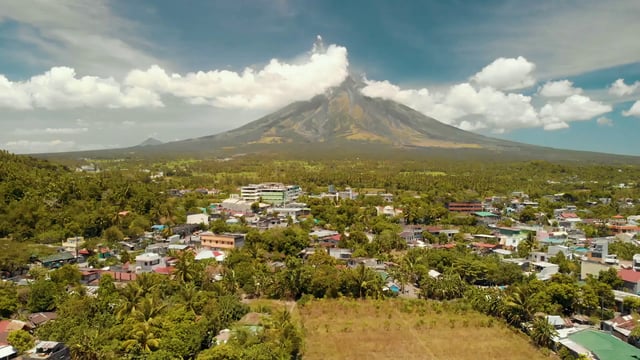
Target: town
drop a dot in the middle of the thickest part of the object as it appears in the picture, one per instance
(559, 268)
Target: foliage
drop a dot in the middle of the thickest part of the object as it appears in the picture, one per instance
(21, 340)
(8, 299)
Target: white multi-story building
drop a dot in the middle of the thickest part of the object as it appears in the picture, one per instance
(273, 193)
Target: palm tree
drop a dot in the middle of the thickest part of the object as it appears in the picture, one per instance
(87, 347)
(146, 282)
(367, 282)
(542, 332)
(130, 295)
(188, 295)
(141, 337)
(187, 269)
(148, 309)
(517, 307)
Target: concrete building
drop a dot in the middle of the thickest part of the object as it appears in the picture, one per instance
(147, 261)
(221, 241)
(198, 219)
(272, 193)
(49, 350)
(73, 244)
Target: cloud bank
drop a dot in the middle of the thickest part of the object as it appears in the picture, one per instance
(486, 102)
(276, 84)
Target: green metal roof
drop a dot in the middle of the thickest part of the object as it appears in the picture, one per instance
(62, 256)
(485, 214)
(605, 346)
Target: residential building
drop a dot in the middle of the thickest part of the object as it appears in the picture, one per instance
(631, 280)
(221, 241)
(8, 352)
(73, 244)
(465, 207)
(272, 193)
(486, 217)
(57, 260)
(147, 261)
(544, 270)
(49, 350)
(198, 219)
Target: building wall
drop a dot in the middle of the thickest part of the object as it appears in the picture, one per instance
(221, 241)
(591, 268)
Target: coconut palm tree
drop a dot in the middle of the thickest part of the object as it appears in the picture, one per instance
(129, 297)
(517, 307)
(542, 332)
(143, 338)
(148, 309)
(187, 269)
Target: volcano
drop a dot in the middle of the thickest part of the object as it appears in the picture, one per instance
(344, 121)
(344, 115)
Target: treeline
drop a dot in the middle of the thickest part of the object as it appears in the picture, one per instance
(46, 202)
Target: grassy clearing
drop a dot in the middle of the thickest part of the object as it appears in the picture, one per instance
(407, 329)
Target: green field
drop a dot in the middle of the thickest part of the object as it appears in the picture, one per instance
(405, 329)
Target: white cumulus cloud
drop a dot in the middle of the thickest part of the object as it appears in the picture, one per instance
(561, 88)
(634, 110)
(507, 74)
(471, 106)
(276, 84)
(463, 106)
(556, 115)
(60, 88)
(603, 121)
(619, 88)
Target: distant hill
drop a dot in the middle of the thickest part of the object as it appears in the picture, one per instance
(150, 141)
(343, 122)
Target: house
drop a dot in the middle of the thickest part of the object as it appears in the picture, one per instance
(339, 253)
(57, 260)
(486, 217)
(147, 261)
(388, 211)
(371, 263)
(591, 267)
(7, 326)
(558, 322)
(87, 276)
(631, 280)
(73, 244)
(225, 241)
(468, 207)
(198, 219)
(545, 270)
(49, 350)
(210, 254)
(8, 352)
(620, 326)
(41, 318)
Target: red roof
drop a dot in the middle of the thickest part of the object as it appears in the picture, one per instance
(164, 270)
(569, 215)
(335, 237)
(445, 246)
(484, 245)
(618, 217)
(629, 275)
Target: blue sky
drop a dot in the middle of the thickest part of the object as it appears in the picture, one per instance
(93, 74)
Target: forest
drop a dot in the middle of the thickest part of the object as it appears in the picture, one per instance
(179, 316)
